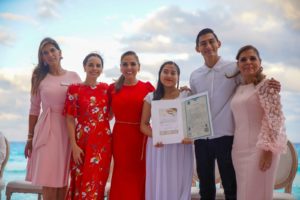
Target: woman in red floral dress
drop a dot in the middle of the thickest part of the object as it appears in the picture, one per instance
(127, 97)
(86, 110)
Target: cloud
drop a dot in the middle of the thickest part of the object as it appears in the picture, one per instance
(266, 30)
(11, 78)
(7, 38)
(8, 117)
(165, 34)
(291, 109)
(14, 103)
(111, 18)
(152, 43)
(49, 8)
(171, 31)
(163, 31)
(18, 18)
(286, 74)
(290, 11)
(13, 98)
(291, 103)
(270, 25)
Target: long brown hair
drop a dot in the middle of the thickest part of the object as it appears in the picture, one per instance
(259, 75)
(42, 69)
(160, 90)
(119, 83)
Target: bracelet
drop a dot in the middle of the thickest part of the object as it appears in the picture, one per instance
(29, 139)
(30, 136)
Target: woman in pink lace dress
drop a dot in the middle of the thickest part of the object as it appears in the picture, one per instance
(259, 136)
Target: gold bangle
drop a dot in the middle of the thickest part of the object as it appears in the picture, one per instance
(30, 134)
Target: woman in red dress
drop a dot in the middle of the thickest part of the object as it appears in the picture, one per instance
(127, 95)
(86, 110)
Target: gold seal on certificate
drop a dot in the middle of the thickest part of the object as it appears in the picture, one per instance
(173, 120)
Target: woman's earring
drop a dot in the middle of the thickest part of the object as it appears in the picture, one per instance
(45, 64)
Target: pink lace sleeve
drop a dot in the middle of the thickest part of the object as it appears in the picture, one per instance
(272, 136)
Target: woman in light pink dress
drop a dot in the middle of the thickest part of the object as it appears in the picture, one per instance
(47, 145)
(259, 136)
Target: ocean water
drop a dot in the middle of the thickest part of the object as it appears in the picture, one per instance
(16, 169)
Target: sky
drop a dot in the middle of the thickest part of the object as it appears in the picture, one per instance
(158, 30)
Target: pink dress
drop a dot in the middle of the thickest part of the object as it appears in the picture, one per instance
(259, 125)
(49, 162)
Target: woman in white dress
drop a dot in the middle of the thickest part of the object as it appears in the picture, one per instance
(168, 167)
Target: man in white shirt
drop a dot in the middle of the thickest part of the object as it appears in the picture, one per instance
(211, 77)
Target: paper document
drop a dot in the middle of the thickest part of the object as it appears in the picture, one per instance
(173, 120)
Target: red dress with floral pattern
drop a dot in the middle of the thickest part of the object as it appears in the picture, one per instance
(89, 106)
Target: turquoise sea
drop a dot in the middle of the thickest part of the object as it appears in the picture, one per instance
(16, 167)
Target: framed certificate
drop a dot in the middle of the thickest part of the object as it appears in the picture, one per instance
(173, 120)
(197, 116)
